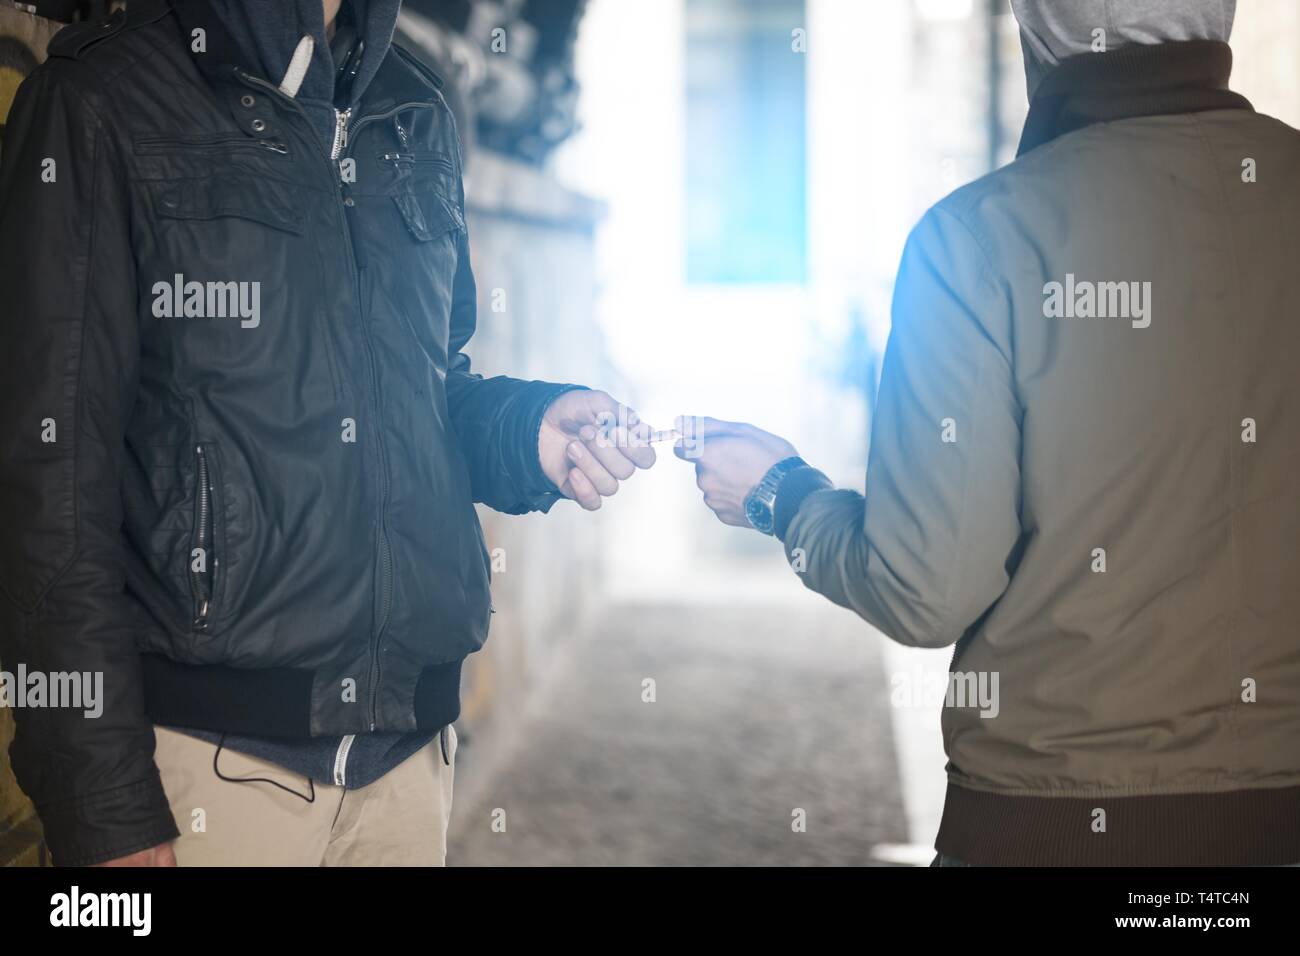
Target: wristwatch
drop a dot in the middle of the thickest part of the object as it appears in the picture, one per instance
(760, 503)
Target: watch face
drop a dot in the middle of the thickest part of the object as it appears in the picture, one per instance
(759, 514)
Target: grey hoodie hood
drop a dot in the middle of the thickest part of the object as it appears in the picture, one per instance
(271, 32)
(1053, 30)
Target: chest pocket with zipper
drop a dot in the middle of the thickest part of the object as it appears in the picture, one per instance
(423, 184)
(421, 187)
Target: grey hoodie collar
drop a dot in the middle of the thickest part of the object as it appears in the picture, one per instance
(1055, 30)
(1136, 80)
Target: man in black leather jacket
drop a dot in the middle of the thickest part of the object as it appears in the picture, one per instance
(242, 442)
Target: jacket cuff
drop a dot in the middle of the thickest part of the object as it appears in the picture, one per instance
(111, 823)
(539, 492)
(791, 494)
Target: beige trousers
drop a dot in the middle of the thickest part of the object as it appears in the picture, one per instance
(399, 820)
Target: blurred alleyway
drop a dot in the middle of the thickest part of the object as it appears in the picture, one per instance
(759, 711)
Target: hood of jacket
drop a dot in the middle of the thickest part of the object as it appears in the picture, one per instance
(1054, 30)
(269, 34)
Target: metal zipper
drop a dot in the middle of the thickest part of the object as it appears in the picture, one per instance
(341, 118)
(341, 136)
(203, 580)
(146, 146)
(400, 108)
(385, 548)
(417, 159)
(341, 760)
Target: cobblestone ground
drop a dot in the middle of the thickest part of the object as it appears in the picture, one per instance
(758, 712)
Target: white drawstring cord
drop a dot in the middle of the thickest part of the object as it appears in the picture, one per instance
(297, 66)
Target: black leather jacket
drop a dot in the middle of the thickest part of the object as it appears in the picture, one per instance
(241, 441)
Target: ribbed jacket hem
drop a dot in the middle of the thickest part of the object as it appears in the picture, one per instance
(1232, 828)
(274, 701)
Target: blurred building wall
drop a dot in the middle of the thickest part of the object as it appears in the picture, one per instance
(533, 248)
(1266, 57)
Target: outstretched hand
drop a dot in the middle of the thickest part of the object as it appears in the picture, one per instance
(589, 442)
(730, 459)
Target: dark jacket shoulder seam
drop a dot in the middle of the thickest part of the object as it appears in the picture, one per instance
(131, 57)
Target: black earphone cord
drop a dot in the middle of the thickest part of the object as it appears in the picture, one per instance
(221, 776)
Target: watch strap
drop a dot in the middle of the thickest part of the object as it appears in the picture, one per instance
(794, 489)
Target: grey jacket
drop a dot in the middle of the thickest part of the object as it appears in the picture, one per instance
(1083, 474)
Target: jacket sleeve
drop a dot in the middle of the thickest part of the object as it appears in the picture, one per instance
(67, 384)
(926, 553)
(497, 419)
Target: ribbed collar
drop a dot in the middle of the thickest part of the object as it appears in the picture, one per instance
(1168, 78)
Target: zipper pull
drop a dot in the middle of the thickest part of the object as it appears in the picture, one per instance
(340, 132)
(201, 620)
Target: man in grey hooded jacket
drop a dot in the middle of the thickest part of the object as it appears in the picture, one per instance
(1083, 469)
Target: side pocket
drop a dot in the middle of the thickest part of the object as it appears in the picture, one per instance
(204, 562)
